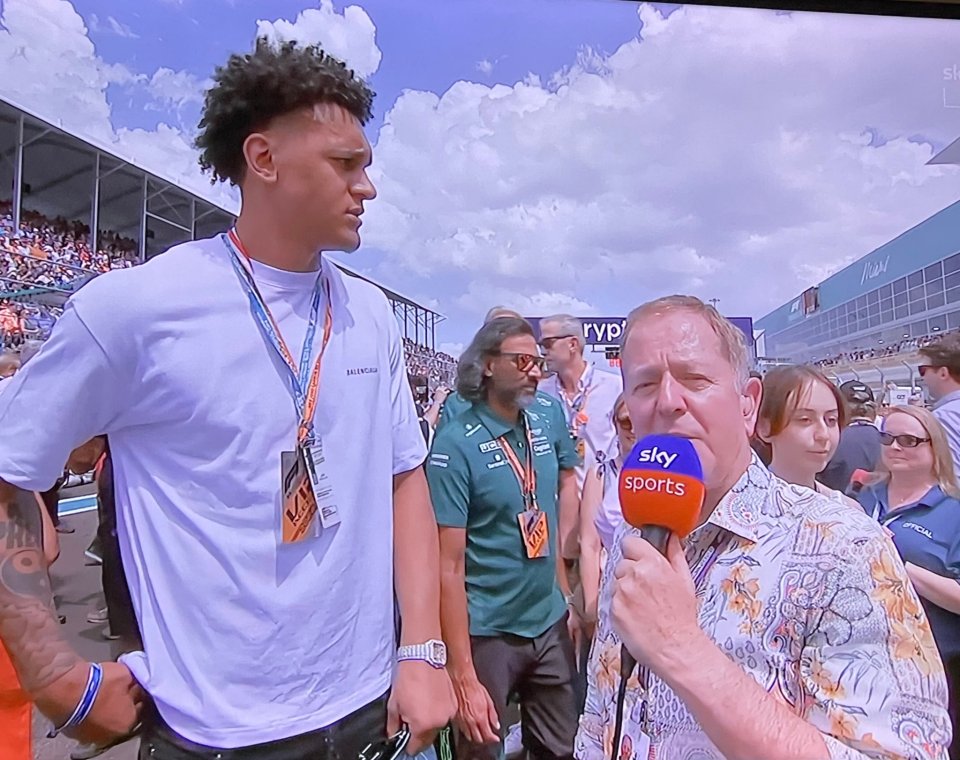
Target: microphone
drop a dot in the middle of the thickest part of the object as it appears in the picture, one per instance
(661, 488)
(858, 480)
(661, 492)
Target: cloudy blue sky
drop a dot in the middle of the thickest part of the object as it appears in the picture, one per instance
(576, 155)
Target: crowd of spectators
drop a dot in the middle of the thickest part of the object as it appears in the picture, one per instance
(439, 368)
(905, 346)
(21, 321)
(56, 254)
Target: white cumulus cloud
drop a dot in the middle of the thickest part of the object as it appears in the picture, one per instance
(111, 26)
(176, 88)
(349, 36)
(52, 68)
(730, 153)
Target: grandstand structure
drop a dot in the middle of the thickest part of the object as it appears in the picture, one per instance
(868, 321)
(71, 208)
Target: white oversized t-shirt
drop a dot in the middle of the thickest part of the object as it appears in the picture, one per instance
(245, 641)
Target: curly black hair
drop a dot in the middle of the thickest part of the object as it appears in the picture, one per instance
(273, 80)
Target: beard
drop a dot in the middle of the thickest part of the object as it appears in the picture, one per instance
(526, 397)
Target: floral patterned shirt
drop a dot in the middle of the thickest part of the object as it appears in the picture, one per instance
(809, 597)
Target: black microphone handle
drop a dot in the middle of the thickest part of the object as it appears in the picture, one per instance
(658, 536)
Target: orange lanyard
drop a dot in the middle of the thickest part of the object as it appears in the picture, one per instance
(526, 475)
(305, 399)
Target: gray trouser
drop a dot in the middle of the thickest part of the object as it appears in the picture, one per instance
(542, 672)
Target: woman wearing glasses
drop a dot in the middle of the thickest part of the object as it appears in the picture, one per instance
(915, 495)
(600, 514)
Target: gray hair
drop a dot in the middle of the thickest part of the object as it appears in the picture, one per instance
(501, 311)
(569, 325)
(731, 339)
(471, 381)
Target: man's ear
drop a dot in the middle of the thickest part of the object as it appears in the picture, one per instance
(750, 403)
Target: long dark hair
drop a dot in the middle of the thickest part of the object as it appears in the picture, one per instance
(471, 381)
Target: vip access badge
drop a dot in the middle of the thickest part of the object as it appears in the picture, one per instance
(299, 504)
(306, 491)
(533, 529)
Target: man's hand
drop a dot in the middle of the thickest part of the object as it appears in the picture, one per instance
(654, 609)
(422, 699)
(115, 712)
(476, 715)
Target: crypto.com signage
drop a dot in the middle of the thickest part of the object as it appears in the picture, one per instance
(607, 331)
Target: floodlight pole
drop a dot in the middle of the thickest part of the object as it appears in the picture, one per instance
(18, 176)
(143, 221)
(95, 208)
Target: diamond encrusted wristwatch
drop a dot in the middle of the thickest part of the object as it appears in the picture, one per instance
(433, 652)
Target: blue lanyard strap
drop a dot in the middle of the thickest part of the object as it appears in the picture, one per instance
(303, 382)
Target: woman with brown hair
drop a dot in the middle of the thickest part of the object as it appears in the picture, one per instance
(798, 426)
(916, 497)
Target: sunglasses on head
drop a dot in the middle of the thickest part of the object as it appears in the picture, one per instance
(547, 343)
(905, 441)
(524, 362)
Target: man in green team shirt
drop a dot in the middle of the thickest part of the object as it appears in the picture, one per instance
(501, 474)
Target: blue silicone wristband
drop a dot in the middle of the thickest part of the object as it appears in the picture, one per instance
(85, 705)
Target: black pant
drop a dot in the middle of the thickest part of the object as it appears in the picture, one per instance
(541, 671)
(116, 591)
(344, 740)
(951, 664)
(51, 500)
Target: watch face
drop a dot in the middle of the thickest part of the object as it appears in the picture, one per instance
(438, 652)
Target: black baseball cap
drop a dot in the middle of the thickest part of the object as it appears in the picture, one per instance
(855, 392)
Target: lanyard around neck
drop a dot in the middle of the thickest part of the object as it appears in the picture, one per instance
(305, 384)
(526, 474)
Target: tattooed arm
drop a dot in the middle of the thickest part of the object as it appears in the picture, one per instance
(49, 669)
(28, 623)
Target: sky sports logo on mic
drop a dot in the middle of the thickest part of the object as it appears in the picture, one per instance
(661, 484)
(659, 458)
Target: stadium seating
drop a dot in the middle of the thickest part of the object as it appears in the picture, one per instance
(438, 367)
(905, 347)
(54, 255)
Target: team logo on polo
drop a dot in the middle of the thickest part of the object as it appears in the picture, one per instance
(486, 448)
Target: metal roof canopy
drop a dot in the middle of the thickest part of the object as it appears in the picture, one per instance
(949, 155)
(47, 169)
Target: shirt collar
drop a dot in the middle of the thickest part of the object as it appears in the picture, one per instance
(494, 424)
(930, 499)
(586, 378)
(952, 396)
(740, 509)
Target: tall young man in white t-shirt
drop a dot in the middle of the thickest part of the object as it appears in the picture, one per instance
(265, 509)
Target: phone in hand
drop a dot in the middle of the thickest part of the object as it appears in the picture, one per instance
(387, 749)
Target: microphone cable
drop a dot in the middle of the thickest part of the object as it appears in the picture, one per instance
(627, 664)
